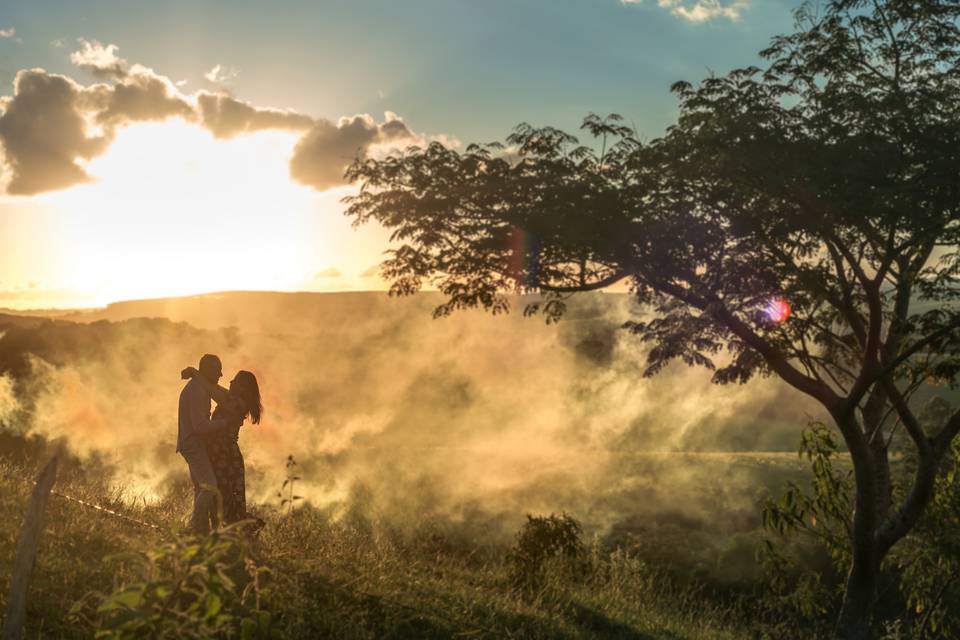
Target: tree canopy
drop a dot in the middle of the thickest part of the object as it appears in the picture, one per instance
(824, 187)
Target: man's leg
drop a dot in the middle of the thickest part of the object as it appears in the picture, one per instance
(205, 488)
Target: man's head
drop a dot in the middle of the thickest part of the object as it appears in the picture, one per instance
(210, 368)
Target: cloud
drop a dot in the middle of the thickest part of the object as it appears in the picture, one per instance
(450, 142)
(330, 272)
(227, 117)
(372, 272)
(141, 96)
(52, 125)
(103, 61)
(701, 10)
(47, 126)
(220, 75)
(323, 154)
(8, 33)
(44, 132)
(213, 74)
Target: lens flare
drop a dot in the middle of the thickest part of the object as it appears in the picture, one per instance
(523, 260)
(777, 310)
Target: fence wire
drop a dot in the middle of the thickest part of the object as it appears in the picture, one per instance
(104, 510)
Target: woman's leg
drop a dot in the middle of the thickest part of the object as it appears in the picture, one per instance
(237, 480)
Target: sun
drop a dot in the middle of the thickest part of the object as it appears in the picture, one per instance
(171, 210)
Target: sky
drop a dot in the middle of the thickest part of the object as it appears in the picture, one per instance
(155, 149)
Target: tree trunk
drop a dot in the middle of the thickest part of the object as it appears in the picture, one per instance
(856, 613)
(873, 417)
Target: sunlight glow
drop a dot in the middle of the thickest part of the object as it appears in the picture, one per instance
(173, 211)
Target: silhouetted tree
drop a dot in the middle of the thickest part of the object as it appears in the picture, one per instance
(829, 182)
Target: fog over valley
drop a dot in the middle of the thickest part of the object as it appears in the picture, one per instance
(458, 416)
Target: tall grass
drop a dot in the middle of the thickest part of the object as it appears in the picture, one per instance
(311, 574)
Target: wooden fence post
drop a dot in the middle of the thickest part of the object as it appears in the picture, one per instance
(26, 554)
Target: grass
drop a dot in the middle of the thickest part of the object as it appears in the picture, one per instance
(351, 577)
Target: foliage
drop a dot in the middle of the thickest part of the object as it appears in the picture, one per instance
(926, 591)
(826, 181)
(824, 512)
(796, 593)
(930, 561)
(541, 540)
(187, 588)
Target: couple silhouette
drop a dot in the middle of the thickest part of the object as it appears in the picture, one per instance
(209, 443)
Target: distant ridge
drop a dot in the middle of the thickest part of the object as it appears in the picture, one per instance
(301, 311)
(252, 309)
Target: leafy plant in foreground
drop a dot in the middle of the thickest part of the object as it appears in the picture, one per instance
(922, 572)
(188, 588)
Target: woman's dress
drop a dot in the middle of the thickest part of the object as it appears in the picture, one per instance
(223, 449)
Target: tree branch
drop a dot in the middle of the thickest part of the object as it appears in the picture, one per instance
(849, 310)
(913, 349)
(592, 286)
(923, 485)
(774, 358)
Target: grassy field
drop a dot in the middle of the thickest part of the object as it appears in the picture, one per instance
(346, 573)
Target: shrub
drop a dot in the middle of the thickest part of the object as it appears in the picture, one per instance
(188, 588)
(542, 541)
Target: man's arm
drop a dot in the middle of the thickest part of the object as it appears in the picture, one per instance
(200, 413)
(219, 394)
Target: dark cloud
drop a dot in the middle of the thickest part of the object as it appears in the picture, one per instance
(394, 129)
(325, 151)
(46, 127)
(227, 117)
(44, 132)
(141, 96)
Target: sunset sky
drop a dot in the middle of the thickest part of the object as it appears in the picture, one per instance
(155, 149)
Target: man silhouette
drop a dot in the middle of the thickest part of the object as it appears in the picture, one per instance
(194, 420)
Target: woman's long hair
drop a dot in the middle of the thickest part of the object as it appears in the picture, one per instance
(250, 392)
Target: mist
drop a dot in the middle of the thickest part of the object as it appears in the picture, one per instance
(405, 418)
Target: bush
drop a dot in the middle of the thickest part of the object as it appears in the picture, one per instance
(544, 541)
(187, 588)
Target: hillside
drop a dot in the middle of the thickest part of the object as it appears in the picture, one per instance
(421, 446)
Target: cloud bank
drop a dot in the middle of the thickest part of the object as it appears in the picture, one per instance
(52, 125)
